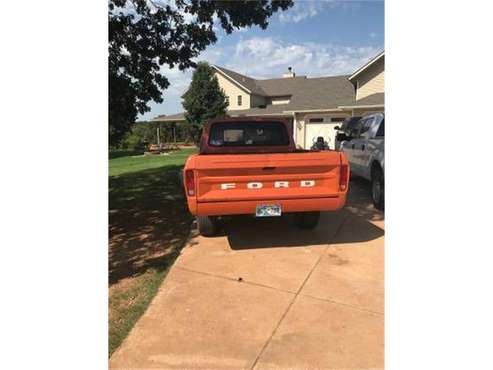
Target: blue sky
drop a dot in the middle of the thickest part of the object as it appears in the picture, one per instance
(316, 38)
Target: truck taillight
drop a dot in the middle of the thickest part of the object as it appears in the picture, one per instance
(190, 182)
(343, 178)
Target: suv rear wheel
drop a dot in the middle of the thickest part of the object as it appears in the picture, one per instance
(307, 220)
(207, 225)
(377, 188)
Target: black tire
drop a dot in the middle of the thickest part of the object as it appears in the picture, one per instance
(307, 220)
(378, 188)
(207, 225)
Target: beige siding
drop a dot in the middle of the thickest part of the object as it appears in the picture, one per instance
(232, 91)
(371, 81)
(300, 130)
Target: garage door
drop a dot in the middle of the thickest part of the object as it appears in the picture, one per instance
(322, 126)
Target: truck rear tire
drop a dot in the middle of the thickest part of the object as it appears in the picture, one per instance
(377, 188)
(307, 220)
(207, 225)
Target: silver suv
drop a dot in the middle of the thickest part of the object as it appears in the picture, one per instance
(366, 154)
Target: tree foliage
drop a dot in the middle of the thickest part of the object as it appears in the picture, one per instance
(146, 34)
(204, 98)
(141, 134)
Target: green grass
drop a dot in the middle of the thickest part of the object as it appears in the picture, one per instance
(117, 153)
(139, 162)
(127, 305)
(149, 224)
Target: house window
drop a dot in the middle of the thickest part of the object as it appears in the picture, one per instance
(280, 100)
(316, 120)
(239, 100)
(337, 119)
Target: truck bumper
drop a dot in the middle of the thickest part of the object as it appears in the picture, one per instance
(249, 206)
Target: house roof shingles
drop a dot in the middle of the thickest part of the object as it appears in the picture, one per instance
(305, 94)
(170, 118)
(243, 80)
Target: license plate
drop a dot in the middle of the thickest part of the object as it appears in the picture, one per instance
(268, 210)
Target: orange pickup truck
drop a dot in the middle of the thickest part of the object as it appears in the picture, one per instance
(251, 166)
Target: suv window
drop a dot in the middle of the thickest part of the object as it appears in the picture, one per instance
(365, 127)
(248, 134)
(351, 127)
(381, 129)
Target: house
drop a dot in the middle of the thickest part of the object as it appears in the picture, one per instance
(316, 105)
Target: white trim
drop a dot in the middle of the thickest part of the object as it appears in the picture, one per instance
(367, 65)
(313, 110)
(257, 114)
(295, 128)
(232, 79)
(362, 106)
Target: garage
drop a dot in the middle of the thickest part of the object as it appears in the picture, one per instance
(323, 126)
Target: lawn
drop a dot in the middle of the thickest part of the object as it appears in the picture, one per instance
(149, 224)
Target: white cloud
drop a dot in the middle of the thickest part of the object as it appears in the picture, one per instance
(306, 9)
(300, 10)
(266, 57)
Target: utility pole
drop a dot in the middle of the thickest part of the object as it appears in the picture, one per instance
(158, 138)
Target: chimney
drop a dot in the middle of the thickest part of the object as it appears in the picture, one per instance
(289, 74)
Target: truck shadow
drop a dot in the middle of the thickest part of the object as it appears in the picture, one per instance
(358, 222)
(340, 227)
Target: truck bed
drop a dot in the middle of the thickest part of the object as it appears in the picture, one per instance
(301, 181)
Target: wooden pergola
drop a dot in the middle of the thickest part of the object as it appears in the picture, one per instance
(171, 120)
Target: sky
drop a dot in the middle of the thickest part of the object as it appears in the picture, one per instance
(315, 38)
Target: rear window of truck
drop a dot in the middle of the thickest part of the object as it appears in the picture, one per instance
(238, 134)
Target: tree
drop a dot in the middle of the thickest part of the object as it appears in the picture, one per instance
(141, 133)
(146, 34)
(204, 98)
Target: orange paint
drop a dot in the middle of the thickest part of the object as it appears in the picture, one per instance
(236, 182)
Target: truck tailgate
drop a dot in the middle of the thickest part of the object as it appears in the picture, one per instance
(233, 177)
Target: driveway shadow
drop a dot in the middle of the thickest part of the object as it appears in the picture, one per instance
(359, 217)
(359, 200)
(251, 233)
(148, 221)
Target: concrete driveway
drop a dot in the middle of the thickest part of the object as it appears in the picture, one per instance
(267, 295)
